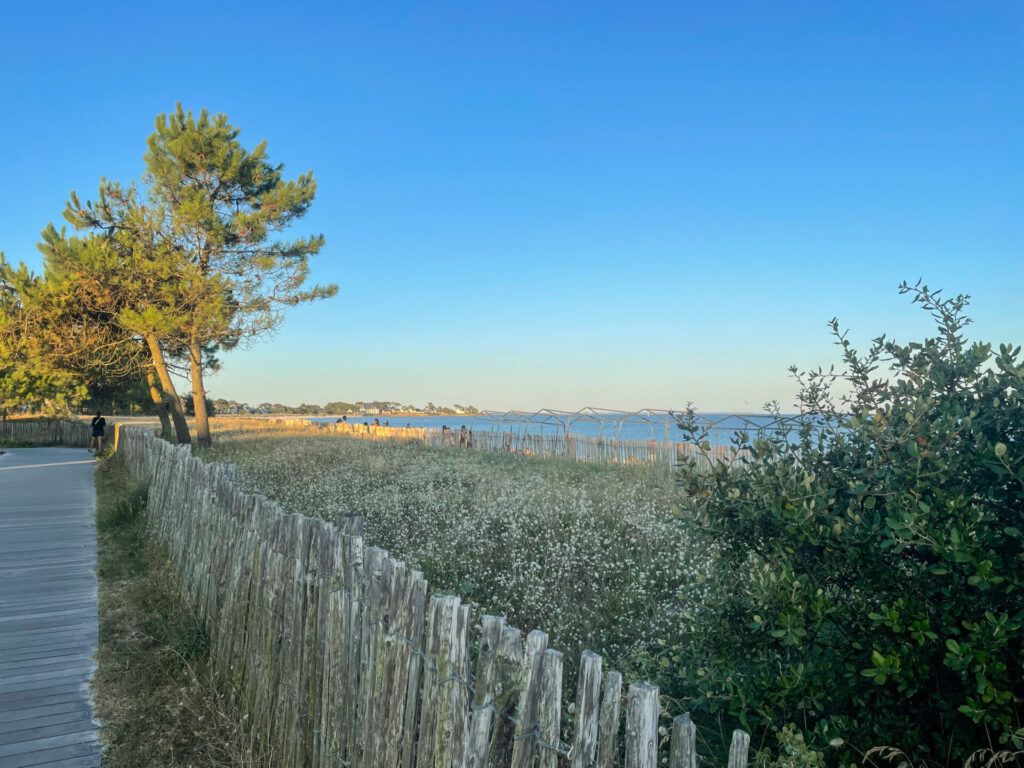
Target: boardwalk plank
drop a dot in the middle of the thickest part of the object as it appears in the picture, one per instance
(59, 736)
(57, 757)
(45, 664)
(48, 622)
(9, 721)
(15, 731)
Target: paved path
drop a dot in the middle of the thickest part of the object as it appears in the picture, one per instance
(48, 626)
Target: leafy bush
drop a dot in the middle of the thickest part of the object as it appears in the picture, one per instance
(873, 579)
(793, 751)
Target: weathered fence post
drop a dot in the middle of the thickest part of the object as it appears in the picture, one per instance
(438, 633)
(550, 719)
(417, 621)
(588, 693)
(642, 726)
(684, 743)
(505, 689)
(481, 707)
(738, 749)
(529, 701)
(608, 725)
(459, 676)
(373, 585)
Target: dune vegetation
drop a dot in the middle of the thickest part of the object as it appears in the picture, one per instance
(598, 556)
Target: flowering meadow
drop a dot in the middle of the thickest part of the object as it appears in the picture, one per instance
(598, 556)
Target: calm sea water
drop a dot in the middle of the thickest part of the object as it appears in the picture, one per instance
(657, 428)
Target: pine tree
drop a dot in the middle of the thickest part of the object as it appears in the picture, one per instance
(222, 207)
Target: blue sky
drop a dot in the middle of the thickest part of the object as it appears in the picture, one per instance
(537, 204)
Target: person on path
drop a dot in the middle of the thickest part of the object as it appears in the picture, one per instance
(99, 424)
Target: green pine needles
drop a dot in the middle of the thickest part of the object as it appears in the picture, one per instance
(222, 207)
(164, 275)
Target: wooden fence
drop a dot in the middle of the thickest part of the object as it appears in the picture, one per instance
(54, 432)
(579, 447)
(338, 656)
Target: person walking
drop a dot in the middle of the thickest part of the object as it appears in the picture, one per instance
(99, 425)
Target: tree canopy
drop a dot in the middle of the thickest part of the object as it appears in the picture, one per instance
(28, 378)
(188, 264)
(221, 209)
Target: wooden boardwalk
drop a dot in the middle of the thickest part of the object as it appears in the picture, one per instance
(48, 627)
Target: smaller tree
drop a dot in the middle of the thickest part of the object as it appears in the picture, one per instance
(27, 379)
(211, 408)
(127, 396)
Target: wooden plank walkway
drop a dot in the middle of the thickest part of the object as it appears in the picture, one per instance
(48, 626)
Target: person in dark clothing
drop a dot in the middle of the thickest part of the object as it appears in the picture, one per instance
(99, 425)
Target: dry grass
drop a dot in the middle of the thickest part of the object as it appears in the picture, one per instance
(153, 690)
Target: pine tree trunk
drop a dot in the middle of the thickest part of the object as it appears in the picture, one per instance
(161, 405)
(177, 413)
(199, 397)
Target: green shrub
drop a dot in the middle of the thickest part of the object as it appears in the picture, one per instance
(793, 751)
(873, 579)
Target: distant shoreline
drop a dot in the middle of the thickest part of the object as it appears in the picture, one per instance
(389, 415)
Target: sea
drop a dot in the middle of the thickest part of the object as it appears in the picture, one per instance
(659, 426)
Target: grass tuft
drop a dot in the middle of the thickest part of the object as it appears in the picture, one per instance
(153, 689)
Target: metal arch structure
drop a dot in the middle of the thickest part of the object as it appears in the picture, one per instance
(611, 421)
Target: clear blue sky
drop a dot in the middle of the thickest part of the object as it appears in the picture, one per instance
(555, 204)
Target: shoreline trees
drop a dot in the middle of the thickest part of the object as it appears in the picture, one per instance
(188, 266)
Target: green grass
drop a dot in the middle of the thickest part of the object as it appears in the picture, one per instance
(152, 688)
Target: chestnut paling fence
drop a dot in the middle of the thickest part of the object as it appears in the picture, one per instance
(338, 655)
(573, 446)
(52, 432)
